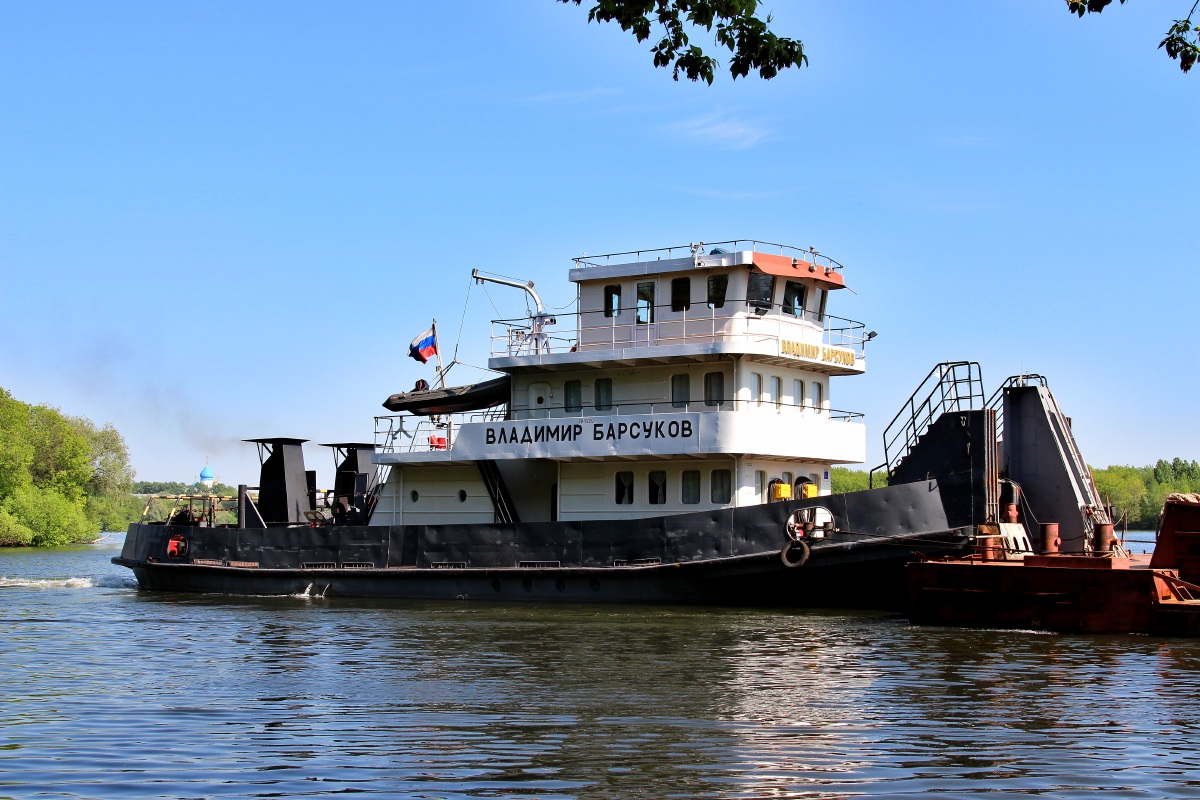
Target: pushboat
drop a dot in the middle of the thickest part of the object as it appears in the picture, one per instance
(669, 441)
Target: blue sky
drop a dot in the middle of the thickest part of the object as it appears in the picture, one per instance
(225, 220)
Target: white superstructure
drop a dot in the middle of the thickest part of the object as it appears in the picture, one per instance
(688, 379)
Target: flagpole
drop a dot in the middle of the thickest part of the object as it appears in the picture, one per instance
(438, 351)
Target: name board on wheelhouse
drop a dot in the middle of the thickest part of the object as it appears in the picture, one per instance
(817, 352)
(584, 436)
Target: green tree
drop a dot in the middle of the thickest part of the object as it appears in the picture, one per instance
(754, 47)
(844, 480)
(1182, 41)
(1123, 487)
(111, 473)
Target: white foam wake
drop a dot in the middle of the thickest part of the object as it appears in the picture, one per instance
(104, 582)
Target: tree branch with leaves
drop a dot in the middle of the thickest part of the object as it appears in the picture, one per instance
(738, 29)
(1182, 42)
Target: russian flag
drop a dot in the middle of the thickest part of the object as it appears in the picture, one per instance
(424, 346)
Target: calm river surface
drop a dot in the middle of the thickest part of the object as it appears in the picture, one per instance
(112, 692)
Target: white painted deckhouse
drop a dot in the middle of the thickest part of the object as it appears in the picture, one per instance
(689, 379)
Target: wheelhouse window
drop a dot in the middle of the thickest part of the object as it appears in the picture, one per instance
(657, 487)
(760, 289)
(793, 299)
(681, 294)
(612, 300)
(756, 388)
(822, 296)
(624, 488)
(602, 397)
(681, 390)
(776, 390)
(572, 396)
(718, 285)
(714, 388)
(690, 487)
(720, 486)
(645, 303)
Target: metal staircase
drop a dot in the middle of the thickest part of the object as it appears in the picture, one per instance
(506, 510)
(1039, 453)
(949, 386)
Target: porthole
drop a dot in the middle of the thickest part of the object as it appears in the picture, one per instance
(413, 495)
(496, 585)
(462, 495)
(527, 585)
(561, 585)
(540, 400)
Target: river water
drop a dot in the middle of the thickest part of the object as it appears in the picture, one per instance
(112, 692)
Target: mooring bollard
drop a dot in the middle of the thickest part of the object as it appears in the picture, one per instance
(1050, 540)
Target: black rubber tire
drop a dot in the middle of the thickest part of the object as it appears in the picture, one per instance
(795, 554)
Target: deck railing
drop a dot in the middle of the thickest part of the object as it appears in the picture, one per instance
(663, 326)
(699, 249)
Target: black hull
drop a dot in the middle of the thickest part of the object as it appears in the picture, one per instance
(870, 576)
(728, 557)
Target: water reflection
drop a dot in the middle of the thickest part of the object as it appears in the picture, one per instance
(114, 692)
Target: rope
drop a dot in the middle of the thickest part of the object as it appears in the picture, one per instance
(462, 321)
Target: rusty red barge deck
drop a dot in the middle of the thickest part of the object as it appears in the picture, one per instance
(1072, 593)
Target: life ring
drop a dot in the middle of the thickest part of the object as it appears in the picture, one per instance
(177, 546)
(795, 553)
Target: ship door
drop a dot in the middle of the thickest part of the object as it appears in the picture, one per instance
(540, 400)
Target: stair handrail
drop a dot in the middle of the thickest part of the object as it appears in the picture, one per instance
(946, 394)
(996, 401)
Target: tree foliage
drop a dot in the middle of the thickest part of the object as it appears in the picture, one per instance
(1139, 492)
(738, 29)
(1182, 41)
(62, 479)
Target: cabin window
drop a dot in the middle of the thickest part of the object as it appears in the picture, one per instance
(822, 296)
(572, 396)
(645, 303)
(681, 390)
(776, 390)
(690, 487)
(612, 300)
(756, 388)
(759, 291)
(657, 487)
(760, 484)
(793, 299)
(786, 478)
(798, 393)
(718, 285)
(624, 488)
(714, 388)
(818, 395)
(681, 294)
(602, 399)
(720, 486)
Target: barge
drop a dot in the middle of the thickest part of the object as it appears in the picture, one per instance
(669, 441)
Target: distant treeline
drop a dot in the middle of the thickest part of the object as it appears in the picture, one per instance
(62, 479)
(1137, 493)
(178, 487)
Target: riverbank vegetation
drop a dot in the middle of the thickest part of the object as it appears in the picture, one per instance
(62, 478)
